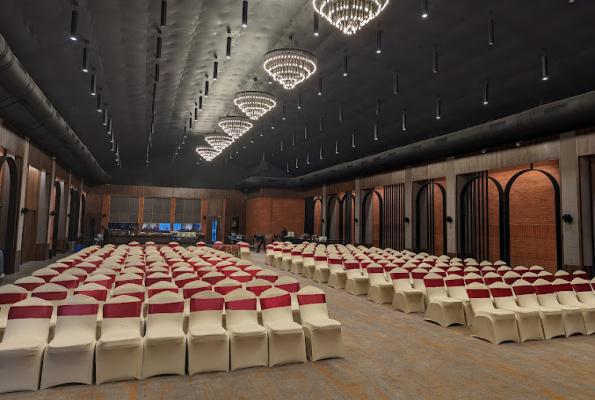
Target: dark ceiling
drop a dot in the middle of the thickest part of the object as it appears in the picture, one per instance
(122, 41)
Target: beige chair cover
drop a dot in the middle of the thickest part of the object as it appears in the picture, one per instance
(25, 340)
(286, 338)
(165, 341)
(286, 257)
(297, 262)
(309, 264)
(357, 284)
(324, 338)
(380, 291)
(583, 290)
(208, 342)
(248, 340)
(442, 309)
(566, 296)
(119, 351)
(455, 286)
(322, 271)
(338, 275)
(528, 320)
(70, 356)
(406, 298)
(495, 326)
(292, 286)
(270, 254)
(551, 318)
(9, 295)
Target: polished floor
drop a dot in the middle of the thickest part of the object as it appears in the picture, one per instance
(389, 355)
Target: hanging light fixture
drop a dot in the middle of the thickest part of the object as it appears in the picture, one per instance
(321, 124)
(245, 13)
(320, 86)
(435, 57)
(336, 147)
(424, 8)
(345, 65)
(206, 152)
(438, 107)
(74, 21)
(158, 51)
(349, 16)
(93, 85)
(287, 167)
(228, 47)
(544, 66)
(199, 103)
(273, 122)
(299, 102)
(316, 24)
(261, 130)
(341, 112)
(235, 126)
(254, 104)
(308, 158)
(296, 163)
(376, 131)
(281, 146)
(109, 126)
(289, 66)
(157, 72)
(215, 68)
(486, 91)
(218, 141)
(305, 134)
(378, 41)
(404, 120)
(99, 102)
(284, 112)
(206, 88)
(377, 105)
(320, 152)
(190, 123)
(104, 121)
(85, 59)
(353, 139)
(396, 84)
(491, 39)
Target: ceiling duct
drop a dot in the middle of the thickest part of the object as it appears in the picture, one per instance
(70, 150)
(561, 116)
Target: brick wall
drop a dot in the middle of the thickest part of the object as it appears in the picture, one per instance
(269, 215)
(532, 218)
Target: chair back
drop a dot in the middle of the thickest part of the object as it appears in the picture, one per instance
(257, 286)
(121, 314)
(130, 289)
(503, 295)
(31, 282)
(78, 314)
(165, 310)
(240, 308)
(94, 290)
(253, 270)
(525, 294)
(455, 286)
(213, 277)
(400, 278)
(226, 286)
(51, 292)
(206, 307)
(435, 288)
(563, 275)
(417, 276)
(312, 301)
(275, 304)
(128, 277)
(267, 275)
(492, 277)
(28, 320)
(479, 296)
(45, 273)
(241, 276)
(160, 287)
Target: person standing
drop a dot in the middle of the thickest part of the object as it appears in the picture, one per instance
(105, 235)
(260, 240)
(283, 233)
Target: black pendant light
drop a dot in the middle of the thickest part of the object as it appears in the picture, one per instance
(85, 59)
(424, 8)
(245, 13)
(435, 57)
(308, 158)
(316, 24)
(228, 48)
(206, 88)
(296, 163)
(404, 120)
(376, 131)
(438, 107)
(396, 83)
(261, 130)
(109, 126)
(320, 85)
(105, 117)
(321, 152)
(544, 66)
(199, 103)
(321, 124)
(215, 68)
(273, 122)
(156, 72)
(336, 147)
(99, 102)
(305, 132)
(93, 85)
(341, 112)
(190, 123)
(74, 21)
(345, 65)
(158, 52)
(163, 14)
(378, 41)
(299, 102)
(486, 91)
(284, 112)
(195, 112)
(491, 38)
(287, 167)
(353, 139)
(281, 146)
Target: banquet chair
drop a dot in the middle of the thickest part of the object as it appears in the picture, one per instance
(583, 290)
(24, 342)
(292, 286)
(406, 298)
(267, 275)
(30, 282)
(247, 339)
(70, 356)
(338, 275)
(297, 262)
(226, 286)
(308, 263)
(9, 295)
(164, 344)
(286, 258)
(380, 291)
(455, 286)
(208, 341)
(321, 269)
(551, 318)
(571, 315)
(442, 309)
(567, 297)
(324, 338)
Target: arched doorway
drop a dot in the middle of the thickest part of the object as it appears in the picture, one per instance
(433, 224)
(539, 245)
(367, 224)
(55, 214)
(73, 215)
(9, 213)
(317, 217)
(334, 218)
(481, 218)
(348, 215)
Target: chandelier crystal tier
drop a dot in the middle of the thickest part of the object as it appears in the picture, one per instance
(206, 152)
(349, 15)
(235, 126)
(255, 104)
(218, 141)
(289, 67)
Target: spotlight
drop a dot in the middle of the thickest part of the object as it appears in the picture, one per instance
(320, 86)
(74, 21)
(486, 91)
(315, 23)
(109, 126)
(345, 62)
(424, 8)
(93, 85)
(163, 13)
(544, 66)
(245, 13)
(85, 59)
(379, 41)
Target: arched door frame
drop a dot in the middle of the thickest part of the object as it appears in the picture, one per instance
(56, 216)
(347, 220)
(363, 218)
(418, 214)
(501, 213)
(557, 213)
(328, 217)
(13, 212)
(319, 199)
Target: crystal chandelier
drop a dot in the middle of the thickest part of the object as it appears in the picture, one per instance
(218, 141)
(289, 67)
(235, 126)
(349, 15)
(255, 104)
(207, 152)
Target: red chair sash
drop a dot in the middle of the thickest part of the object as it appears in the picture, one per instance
(11, 298)
(306, 299)
(226, 289)
(212, 280)
(290, 287)
(29, 286)
(26, 312)
(166, 308)
(241, 305)
(99, 295)
(544, 289)
(491, 280)
(351, 265)
(189, 292)
(153, 292)
(138, 295)
(565, 287)
(319, 258)
(69, 284)
(525, 289)
(582, 287)
(501, 292)
(478, 293)
(375, 270)
(183, 282)
(242, 278)
(216, 304)
(418, 275)
(152, 281)
(454, 282)
(49, 296)
(473, 280)
(399, 275)
(431, 283)
(334, 261)
(122, 310)
(276, 302)
(106, 283)
(510, 281)
(71, 310)
(257, 290)
(270, 278)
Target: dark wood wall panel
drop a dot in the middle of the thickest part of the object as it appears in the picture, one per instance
(11, 140)
(153, 191)
(394, 217)
(39, 159)
(29, 249)
(62, 173)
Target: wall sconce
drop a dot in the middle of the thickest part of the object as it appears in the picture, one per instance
(355, 220)
(322, 220)
(406, 219)
(567, 218)
(53, 213)
(449, 219)
(70, 215)
(24, 210)
(104, 215)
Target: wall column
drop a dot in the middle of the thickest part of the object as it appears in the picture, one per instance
(22, 195)
(569, 193)
(323, 211)
(51, 196)
(451, 207)
(358, 213)
(408, 198)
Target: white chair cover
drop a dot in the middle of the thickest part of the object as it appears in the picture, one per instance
(442, 309)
